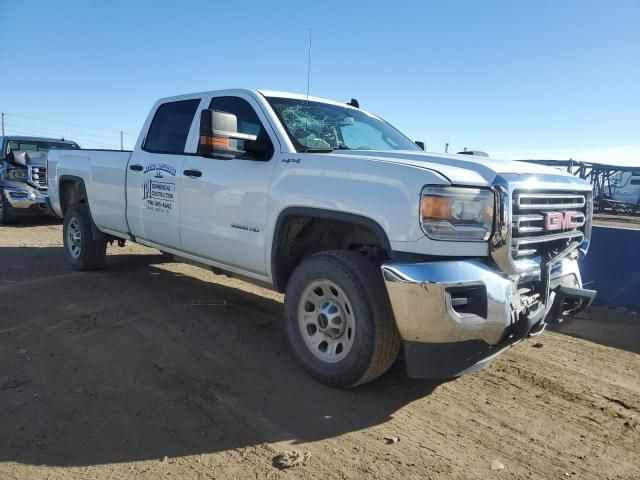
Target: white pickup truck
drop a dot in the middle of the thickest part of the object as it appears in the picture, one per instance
(376, 243)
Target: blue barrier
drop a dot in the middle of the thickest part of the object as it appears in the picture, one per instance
(612, 267)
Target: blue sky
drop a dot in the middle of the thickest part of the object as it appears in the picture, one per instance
(518, 79)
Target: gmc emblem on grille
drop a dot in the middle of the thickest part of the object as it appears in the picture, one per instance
(559, 220)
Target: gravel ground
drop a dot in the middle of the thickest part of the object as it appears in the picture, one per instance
(117, 374)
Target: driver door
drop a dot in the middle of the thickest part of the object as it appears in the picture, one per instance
(224, 210)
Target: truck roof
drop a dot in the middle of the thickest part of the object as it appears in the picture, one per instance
(300, 96)
(265, 93)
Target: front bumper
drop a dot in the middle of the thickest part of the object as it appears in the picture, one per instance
(457, 316)
(26, 199)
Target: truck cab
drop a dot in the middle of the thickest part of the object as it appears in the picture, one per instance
(23, 175)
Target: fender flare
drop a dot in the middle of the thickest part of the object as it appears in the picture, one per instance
(70, 178)
(97, 233)
(345, 217)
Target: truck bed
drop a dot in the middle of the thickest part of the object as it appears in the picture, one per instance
(105, 171)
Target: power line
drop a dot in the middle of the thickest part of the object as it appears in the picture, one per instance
(57, 130)
(83, 141)
(68, 124)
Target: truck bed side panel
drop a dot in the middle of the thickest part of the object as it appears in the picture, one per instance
(104, 175)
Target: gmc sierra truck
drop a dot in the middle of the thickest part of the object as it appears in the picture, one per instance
(23, 175)
(376, 244)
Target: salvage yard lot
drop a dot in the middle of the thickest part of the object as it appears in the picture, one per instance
(151, 369)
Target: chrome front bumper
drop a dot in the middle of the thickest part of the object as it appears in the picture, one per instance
(421, 296)
(465, 312)
(25, 198)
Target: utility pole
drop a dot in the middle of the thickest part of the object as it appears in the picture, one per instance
(121, 142)
(3, 124)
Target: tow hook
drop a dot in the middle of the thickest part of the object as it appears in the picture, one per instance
(569, 301)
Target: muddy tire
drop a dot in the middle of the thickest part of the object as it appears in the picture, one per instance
(338, 318)
(83, 252)
(6, 216)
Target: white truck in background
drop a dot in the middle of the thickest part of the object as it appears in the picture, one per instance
(376, 243)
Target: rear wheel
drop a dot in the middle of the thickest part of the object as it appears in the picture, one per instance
(6, 216)
(83, 251)
(339, 320)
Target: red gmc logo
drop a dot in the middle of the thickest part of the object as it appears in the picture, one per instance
(559, 220)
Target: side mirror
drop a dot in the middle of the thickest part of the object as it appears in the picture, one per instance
(219, 135)
(420, 144)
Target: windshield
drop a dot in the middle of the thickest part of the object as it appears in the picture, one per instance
(322, 126)
(37, 146)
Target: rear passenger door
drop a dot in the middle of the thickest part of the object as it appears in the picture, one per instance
(154, 175)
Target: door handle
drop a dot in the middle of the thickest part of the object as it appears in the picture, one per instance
(192, 173)
(135, 168)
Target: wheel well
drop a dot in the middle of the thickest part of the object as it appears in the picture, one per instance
(298, 236)
(71, 191)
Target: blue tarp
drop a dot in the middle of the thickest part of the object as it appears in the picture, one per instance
(612, 267)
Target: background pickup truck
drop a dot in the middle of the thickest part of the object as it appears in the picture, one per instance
(375, 243)
(23, 175)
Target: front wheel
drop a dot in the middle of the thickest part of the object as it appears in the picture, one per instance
(83, 252)
(339, 320)
(6, 216)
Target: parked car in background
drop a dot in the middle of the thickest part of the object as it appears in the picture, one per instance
(23, 174)
(375, 242)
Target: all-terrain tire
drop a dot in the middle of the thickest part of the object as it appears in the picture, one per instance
(82, 250)
(6, 216)
(376, 342)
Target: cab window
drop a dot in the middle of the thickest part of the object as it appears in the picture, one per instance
(170, 126)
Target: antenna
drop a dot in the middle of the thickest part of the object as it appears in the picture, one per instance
(309, 66)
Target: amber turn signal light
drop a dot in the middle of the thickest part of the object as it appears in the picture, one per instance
(214, 141)
(436, 207)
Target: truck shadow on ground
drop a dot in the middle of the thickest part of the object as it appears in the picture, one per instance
(122, 365)
(32, 221)
(606, 326)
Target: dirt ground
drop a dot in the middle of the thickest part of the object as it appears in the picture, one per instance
(120, 374)
(622, 221)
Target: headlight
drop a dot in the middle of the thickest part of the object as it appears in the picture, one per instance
(19, 174)
(457, 213)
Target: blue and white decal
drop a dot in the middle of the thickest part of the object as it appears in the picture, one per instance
(159, 196)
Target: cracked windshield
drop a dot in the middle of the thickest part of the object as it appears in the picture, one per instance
(314, 126)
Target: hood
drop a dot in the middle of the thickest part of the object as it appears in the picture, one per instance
(26, 159)
(458, 169)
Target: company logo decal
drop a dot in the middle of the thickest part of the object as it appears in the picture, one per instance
(159, 168)
(158, 196)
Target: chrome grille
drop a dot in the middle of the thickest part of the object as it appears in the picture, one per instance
(38, 177)
(530, 232)
(537, 201)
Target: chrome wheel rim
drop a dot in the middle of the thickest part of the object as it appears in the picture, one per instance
(326, 321)
(74, 238)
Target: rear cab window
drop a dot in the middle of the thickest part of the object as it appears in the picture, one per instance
(170, 127)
